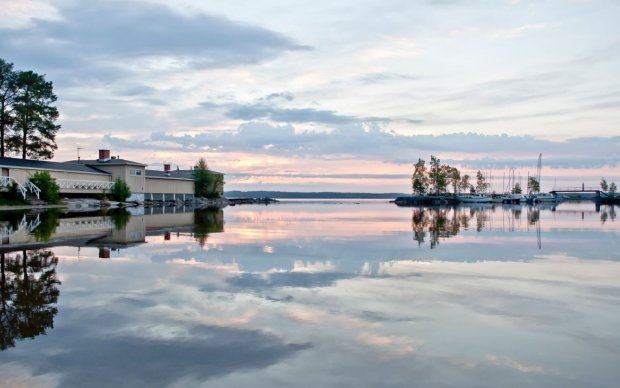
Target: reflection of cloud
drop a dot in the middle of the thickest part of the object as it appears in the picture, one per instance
(232, 268)
(316, 266)
(251, 281)
(510, 363)
(16, 375)
(394, 346)
(212, 351)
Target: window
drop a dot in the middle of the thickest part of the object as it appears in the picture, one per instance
(135, 172)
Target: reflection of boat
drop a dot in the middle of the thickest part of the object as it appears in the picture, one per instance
(474, 198)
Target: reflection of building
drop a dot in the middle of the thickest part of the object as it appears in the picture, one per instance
(98, 176)
(114, 230)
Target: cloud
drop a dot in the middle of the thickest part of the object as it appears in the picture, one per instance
(110, 39)
(372, 143)
(295, 115)
(518, 31)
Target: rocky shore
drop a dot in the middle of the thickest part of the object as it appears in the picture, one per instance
(425, 200)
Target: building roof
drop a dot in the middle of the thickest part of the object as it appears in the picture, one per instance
(109, 162)
(175, 174)
(47, 165)
(172, 175)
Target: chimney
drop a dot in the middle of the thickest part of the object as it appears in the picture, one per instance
(167, 167)
(104, 155)
(104, 253)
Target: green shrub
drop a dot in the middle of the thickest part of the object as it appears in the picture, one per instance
(12, 196)
(120, 191)
(207, 183)
(49, 189)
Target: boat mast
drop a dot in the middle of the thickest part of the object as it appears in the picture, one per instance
(539, 168)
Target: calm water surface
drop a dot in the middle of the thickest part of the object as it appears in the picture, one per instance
(313, 294)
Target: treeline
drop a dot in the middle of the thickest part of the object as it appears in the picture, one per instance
(27, 117)
(438, 178)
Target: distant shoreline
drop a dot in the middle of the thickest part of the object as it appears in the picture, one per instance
(310, 195)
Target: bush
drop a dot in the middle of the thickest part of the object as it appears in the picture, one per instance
(120, 191)
(12, 196)
(207, 183)
(49, 189)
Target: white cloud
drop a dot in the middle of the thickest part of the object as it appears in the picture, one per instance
(518, 31)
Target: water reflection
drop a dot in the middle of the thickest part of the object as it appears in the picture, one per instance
(331, 295)
(107, 230)
(28, 295)
(440, 223)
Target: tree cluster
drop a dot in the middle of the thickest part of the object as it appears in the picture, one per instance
(207, 184)
(437, 178)
(27, 117)
(612, 188)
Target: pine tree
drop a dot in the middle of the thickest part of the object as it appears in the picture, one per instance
(8, 90)
(34, 130)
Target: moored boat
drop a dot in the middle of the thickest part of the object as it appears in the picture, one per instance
(513, 199)
(545, 198)
(474, 198)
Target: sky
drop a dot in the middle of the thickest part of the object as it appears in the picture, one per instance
(332, 96)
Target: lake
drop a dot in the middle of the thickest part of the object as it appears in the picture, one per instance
(313, 294)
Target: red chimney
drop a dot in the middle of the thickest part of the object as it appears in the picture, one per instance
(104, 154)
(167, 167)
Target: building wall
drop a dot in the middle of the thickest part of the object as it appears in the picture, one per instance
(168, 189)
(136, 183)
(22, 174)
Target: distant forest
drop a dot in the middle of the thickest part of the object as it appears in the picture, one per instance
(315, 195)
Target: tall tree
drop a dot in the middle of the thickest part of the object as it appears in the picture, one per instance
(437, 176)
(481, 182)
(604, 185)
(8, 90)
(533, 185)
(464, 184)
(455, 179)
(35, 129)
(419, 181)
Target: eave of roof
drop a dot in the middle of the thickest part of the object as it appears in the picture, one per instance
(50, 166)
(109, 162)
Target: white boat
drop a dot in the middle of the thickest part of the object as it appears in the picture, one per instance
(474, 198)
(513, 199)
(545, 198)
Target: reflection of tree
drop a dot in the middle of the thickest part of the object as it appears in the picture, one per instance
(120, 218)
(207, 221)
(533, 216)
(28, 292)
(442, 222)
(48, 225)
(608, 213)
